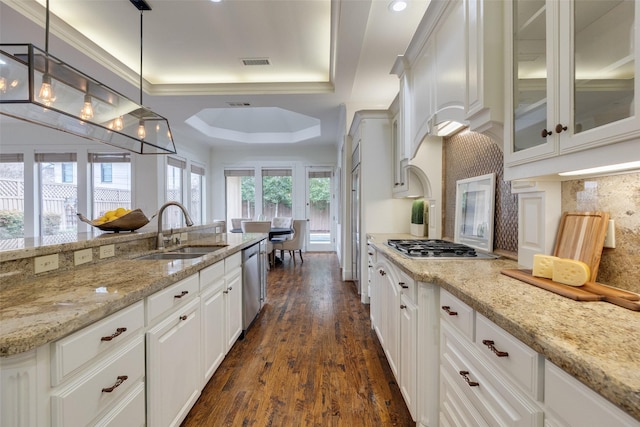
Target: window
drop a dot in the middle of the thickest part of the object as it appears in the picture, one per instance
(106, 172)
(68, 172)
(173, 217)
(11, 199)
(240, 185)
(111, 182)
(197, 191)
(276, 192)
(58, 193)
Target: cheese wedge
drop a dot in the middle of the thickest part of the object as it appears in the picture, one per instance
(570, 272)
(543, 265)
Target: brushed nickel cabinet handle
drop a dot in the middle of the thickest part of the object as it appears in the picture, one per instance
(120, 380)
(118, 331)
(449, 311)
(490, 344)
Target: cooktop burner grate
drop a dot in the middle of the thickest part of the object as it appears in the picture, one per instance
(433, 248)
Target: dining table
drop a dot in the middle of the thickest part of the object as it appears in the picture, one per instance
(274, 232)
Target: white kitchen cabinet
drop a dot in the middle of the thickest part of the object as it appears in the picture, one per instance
(570, 84)
(19, 390)
(427, 355)
(233, 299)
(374, 300)
(569, 403)
(394, 301)
(174, 369)
(484, 102)
(214, 314)
(474, 389)
(408, 352)
(400, 160)
(84, 400)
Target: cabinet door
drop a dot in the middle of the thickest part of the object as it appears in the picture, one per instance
(408, 352)
(233, 303)
(532, 75)
(173, 366)
(597, 94)
(214, 341)
(392, 339)
(379, 303)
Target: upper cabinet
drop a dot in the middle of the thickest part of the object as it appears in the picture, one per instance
(571, 85)
(452, 71)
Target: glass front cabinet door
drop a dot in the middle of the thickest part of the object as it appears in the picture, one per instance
(572, 76)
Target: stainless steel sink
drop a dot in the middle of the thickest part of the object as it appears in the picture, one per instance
(170, 256)
(198, 249)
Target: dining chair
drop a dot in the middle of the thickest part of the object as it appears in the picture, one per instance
(296, 243)
(259, 227)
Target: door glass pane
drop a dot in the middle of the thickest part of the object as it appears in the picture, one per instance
(530, 73)
(240, 196)
(11, 201)
(319, 208)
(276, 193)
(173, 216)
(196, 198)
(604, 62)
(58, 195)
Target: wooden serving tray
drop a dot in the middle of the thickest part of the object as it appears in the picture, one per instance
(590, 291)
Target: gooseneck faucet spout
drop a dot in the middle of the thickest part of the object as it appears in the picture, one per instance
(187, 218)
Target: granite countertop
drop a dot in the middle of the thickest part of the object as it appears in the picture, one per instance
(39, 311)
(596, 342)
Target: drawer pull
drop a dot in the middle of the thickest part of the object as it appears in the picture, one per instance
(403, 285)
(490, 344)
(448, 310)
(465, 375)
(545, 133)
(402, 306)
(183, 293)
(183, 317)
(121, 379)
(118, 331)
(382, 272)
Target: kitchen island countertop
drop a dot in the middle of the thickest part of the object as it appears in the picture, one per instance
(38, 311)
(596, 342)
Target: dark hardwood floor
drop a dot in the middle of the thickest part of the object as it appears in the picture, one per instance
(310, 359)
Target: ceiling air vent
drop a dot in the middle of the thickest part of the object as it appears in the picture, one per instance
(256, 61)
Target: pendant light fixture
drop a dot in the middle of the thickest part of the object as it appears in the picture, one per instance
(41, 89)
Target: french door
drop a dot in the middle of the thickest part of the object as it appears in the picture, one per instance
(319, 210)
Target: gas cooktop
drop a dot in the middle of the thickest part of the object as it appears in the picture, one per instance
(436, 249)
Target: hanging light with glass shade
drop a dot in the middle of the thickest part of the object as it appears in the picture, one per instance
(37, 87)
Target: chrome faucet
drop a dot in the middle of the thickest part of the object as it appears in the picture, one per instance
(187, 218)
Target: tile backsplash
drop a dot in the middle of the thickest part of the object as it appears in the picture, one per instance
(468, 154)
(620, 196)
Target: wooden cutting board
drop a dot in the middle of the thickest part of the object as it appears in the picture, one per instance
(590, 291)
(581, 237)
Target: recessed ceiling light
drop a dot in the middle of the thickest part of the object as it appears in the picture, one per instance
(216, 1)
(397, 5)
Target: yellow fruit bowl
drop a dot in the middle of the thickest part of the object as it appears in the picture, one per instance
(130, 221)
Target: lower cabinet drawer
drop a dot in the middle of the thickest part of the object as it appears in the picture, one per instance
(129, 412)
(572, 404)
(69, 354)
(100, 387)
(169, 298)
(457, 313)
(497, 401)
(520, 361)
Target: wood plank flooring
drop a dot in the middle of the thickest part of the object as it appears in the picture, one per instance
(309, 359)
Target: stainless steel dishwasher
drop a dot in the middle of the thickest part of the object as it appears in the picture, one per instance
(251, 285)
